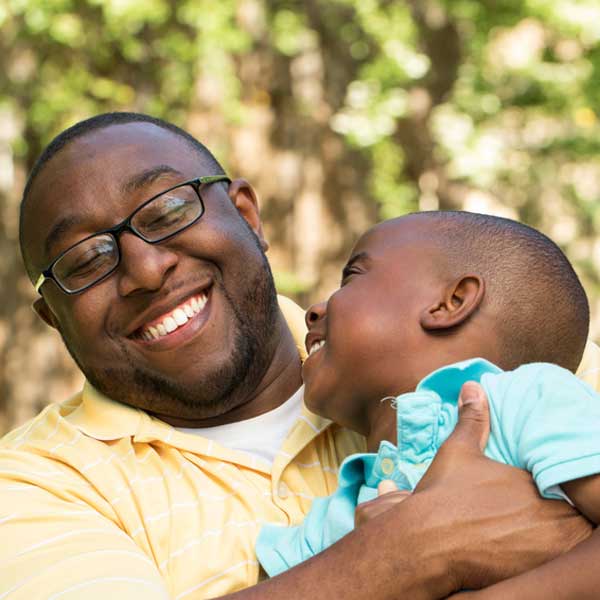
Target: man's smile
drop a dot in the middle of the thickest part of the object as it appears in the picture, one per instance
(171, 321)
(173, 325)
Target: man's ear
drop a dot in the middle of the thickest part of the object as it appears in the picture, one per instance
(42, 310)
(244, 198)
(460, 300)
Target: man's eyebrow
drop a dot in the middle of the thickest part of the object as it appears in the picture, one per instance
(139, 180)
(59, 229)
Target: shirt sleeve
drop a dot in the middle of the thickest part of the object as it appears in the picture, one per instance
(547, 421)
(55, 545)
(329, 519)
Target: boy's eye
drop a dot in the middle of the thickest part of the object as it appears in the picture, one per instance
(347, 272)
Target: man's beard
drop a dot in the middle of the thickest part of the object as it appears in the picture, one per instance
(228, 386)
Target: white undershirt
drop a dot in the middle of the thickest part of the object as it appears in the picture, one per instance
(260, 436)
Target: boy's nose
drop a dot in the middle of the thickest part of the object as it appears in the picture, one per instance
(314, 313)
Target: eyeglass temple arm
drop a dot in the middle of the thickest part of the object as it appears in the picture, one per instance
(213, 178)
(39, 282)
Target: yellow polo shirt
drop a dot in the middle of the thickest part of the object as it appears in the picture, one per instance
(98, 500)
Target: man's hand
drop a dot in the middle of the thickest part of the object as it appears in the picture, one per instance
(388, 495)
(488, 518)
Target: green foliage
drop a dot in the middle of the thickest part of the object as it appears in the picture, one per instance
(515, 116)
(342, 111)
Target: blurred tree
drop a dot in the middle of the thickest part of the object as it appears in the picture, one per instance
(340, 111)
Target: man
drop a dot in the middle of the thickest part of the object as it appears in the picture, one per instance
(152, 482)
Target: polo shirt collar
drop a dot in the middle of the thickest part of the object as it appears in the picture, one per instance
(104, 419)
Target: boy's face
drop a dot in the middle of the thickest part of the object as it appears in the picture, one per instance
(366, 340)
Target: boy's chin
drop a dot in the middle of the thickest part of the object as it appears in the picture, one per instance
(315, 402)
(312, 403)
(325, 407)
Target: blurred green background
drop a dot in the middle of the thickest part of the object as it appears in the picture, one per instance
(340, 112)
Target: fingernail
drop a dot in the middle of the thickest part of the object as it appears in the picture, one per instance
(470, 394)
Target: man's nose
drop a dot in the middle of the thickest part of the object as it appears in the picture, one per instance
(144, 266)
(315, 313)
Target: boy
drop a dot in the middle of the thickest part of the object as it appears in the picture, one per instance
(418, 294)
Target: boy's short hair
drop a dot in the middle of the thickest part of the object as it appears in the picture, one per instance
(543, 309)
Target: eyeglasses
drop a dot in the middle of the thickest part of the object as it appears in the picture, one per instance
(161, 217)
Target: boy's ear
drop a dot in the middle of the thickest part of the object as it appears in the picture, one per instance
(244, 198)
(460, 300)
(42, 310)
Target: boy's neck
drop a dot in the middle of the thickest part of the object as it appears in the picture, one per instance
(382, 425)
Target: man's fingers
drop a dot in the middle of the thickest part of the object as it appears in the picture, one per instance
(386, 486)
(473, 416)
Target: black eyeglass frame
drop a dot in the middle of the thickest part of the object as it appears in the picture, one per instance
(126, 225)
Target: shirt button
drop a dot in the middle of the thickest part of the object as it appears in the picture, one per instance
(283, 491)
(387, 466)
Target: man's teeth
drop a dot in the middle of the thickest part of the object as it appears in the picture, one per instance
(316, 347)
(178, 317)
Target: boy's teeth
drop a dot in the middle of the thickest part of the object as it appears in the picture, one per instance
(180, 316)
(316, 347)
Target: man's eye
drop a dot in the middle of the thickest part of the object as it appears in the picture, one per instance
(167, 220)
(90, 262)
(167, 214)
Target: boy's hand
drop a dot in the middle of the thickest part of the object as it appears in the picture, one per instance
(388, 496)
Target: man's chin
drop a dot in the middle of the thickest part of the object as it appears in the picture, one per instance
(165, 398)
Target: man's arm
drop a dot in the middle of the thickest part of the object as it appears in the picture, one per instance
(572, 576)
(471, 522)
(585, 495)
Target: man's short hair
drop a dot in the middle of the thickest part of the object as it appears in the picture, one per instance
(543, 310)
(100, 122)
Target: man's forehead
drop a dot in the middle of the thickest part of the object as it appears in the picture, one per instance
(117, 151)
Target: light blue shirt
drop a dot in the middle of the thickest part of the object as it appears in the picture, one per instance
(543, 419)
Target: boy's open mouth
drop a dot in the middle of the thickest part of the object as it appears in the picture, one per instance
(315, 346)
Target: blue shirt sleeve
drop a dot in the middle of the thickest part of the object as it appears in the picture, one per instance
(329, 519)
(544, 420)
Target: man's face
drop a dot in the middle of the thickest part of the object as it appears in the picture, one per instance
(366, 340)
(215, 271)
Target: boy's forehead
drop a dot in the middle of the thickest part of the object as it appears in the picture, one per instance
(405, 234)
